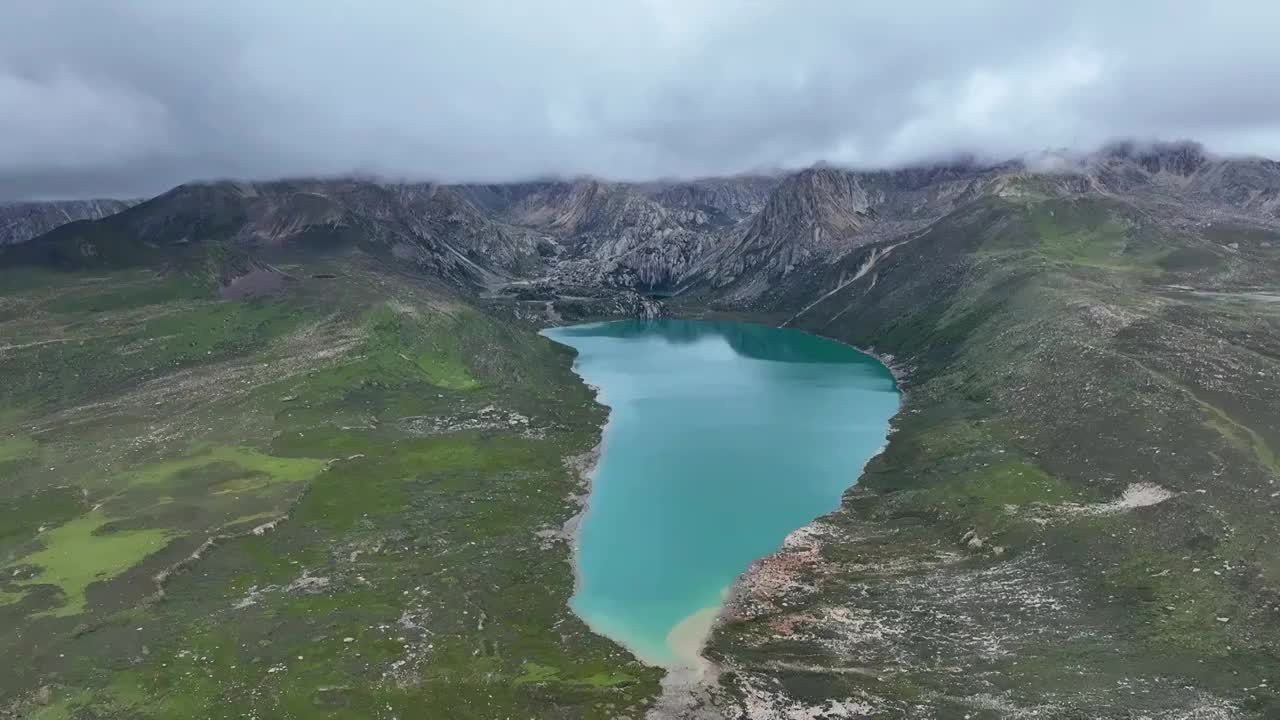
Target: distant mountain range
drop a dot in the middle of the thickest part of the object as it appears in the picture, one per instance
(22, 221)
(742, 234)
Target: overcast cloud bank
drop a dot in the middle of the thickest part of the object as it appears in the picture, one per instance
(131, 97)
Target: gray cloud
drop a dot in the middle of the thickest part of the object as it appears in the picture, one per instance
(133, 96)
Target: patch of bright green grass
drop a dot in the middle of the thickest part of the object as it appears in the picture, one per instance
(1014, 483)
(535, 673)
(950, 439)
(404, 348)
(77, 555)
(18, 447)
(991, 500)
(396, 334)
(1100, 243)
(376, 484)
(1082, 233)
(249, 465)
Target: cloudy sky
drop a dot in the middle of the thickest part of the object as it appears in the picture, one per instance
(129, 97)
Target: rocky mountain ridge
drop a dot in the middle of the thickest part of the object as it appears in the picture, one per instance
(734, 236)
(22, 221)
(430, 228)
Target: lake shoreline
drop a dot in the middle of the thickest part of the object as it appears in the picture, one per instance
(690, 675)
(684, 691)
(689, 638)
(583, 466)
(769, 574)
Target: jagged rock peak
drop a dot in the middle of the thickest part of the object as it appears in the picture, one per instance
(723, 200)
(827, 199)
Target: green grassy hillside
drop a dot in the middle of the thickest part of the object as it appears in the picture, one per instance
(338, 500)
(1075, 515)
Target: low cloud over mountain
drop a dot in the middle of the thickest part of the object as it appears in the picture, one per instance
(131, 97)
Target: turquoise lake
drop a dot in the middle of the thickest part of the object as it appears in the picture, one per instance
(723, 437)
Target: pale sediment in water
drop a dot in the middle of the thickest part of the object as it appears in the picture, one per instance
(722, 439)
(688, 637)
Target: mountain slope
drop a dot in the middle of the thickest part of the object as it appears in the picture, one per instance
(20, 222)
(619, 235)
(343, 498)
(724, 201)
(429, 228)
(1074, 515)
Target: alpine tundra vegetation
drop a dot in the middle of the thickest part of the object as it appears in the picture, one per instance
(297, 449)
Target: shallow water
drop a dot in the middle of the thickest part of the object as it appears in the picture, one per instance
(723, 437)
